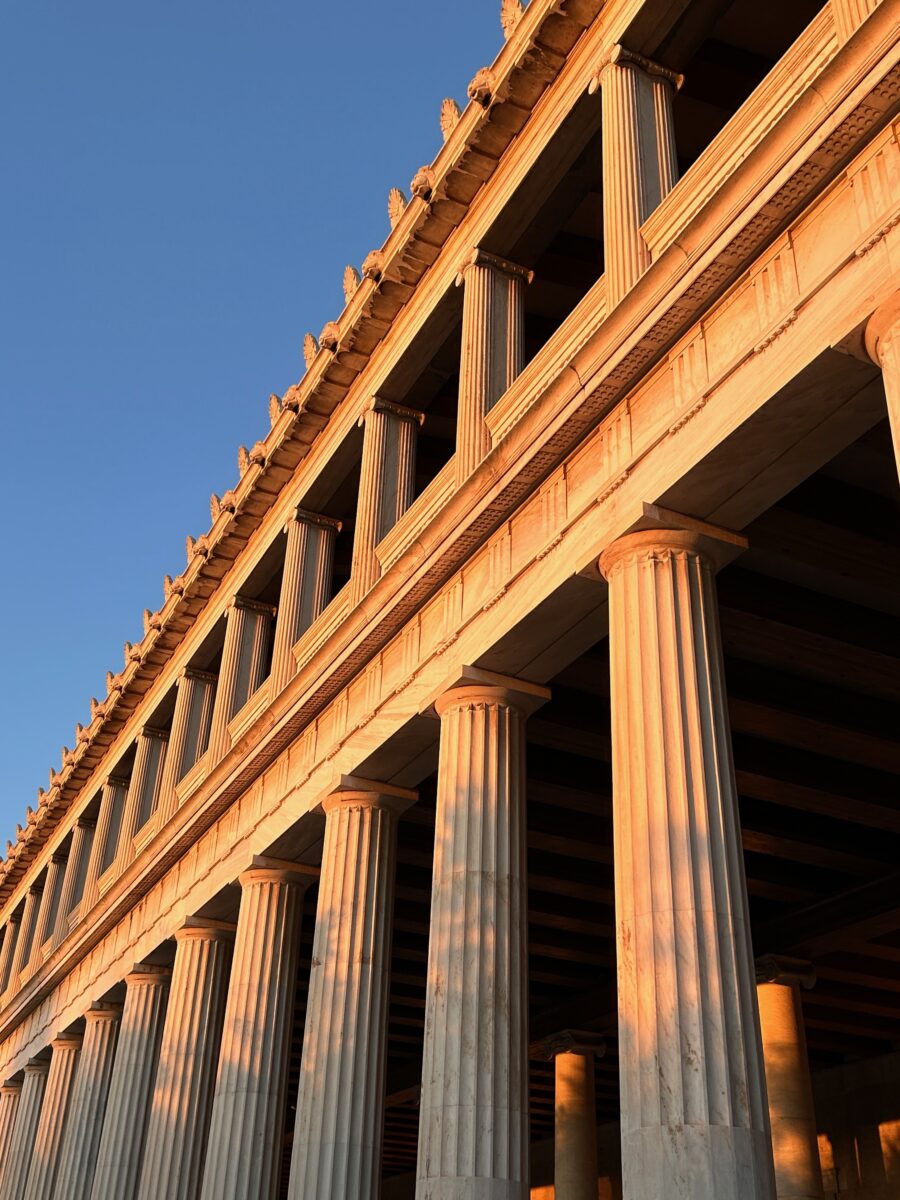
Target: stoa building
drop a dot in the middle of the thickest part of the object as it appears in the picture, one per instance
(504, 801)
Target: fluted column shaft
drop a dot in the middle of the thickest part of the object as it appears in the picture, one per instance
(182, 1098)
(473, 1122)
(244, 656)
(10, 1094)
(795, 1143)
(493, 349)
(131, 1085)
(386, 483)
(340, 1105)
(18, 1158)
(106, 836)
(639, 161)
(305, 586)
(81, 1139)
(850, 14)
(54, 1114)
(46, 918)
(575, 1127)
(243, 1157)
(883, 344)
(189, 733)
(25, 940)
(74, 882)
(8, 953)
(143, 789)
(693, 1102)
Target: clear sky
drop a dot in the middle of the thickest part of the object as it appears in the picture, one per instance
(183, 184)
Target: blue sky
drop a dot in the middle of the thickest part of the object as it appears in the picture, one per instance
(183, 186)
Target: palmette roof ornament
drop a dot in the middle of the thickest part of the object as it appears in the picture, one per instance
(243, 459)
(310, 349)
(483, 87)
(330, 336)
(396, 206)
(274, 408)
(98, 709)
(194, 546)
(510, 15)
(292, 400)
(450, 115)
(373, 265)
(422, 184)
(351, 282)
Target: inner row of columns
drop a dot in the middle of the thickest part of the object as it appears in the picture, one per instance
(186, 1080)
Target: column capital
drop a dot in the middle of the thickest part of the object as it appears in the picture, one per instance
(251, 605)
(469, 685)
(263, 869)
(305, 516)
(355, 792)
(377, 405)
(660, 533)
(11, 1087)
(68, 1040)
(147, 973)
(151, 731)
(569, 1041)
(195, 673)
(37, 1066)
(775, 968)
(619, 55)
(882, 327)
(205, 927)
(103, 1010)
(503, 266)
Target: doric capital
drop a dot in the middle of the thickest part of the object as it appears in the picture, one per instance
(303, 516)
(150, 731)
(102, 1010)
(194, 673)
(774, 968)
(263, 869)
(481, 258)
(474, 685)
(147, 973)
(70, 1040)
(621, 56)
(204, 927)
(355, 792)
(252, 605)
(569, 1041)
(659, 533)
(882, 328)
(37, 1066)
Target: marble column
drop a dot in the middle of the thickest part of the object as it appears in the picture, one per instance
(25, 940)
(243, 1155)
(493, 348)
(795, 1143)
(850, 14)
(194, 692)
(386, 483)
(640, 166)
(49, 907)
(81, 1139)
(182, 1098)
(131, 1085)
(75, 878)
(54, 1114)
(473, 1117)
(18, 1157)
(575, 1172)
(305, 586)
(143, 789)
(106, 836)
(10, 1094)
(883, 345)
(248, 631)
(693, 1100)
(8, 953)
(340, 1105)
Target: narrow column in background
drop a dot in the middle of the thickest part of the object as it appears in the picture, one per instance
(8, 953)
(693, 1099)
(493, 348)
(243, 1155)
(131, 1085)
(25, 940)
(143, 789)
(10, 1094)
(189, 734)
(473, 1115)
(640, 166)
(106, 835)
(305, 586)
(78, 1156)
(49, 908)
(340, 1105)
(850, 14)
(74, 883)
(245, 655)
(182, 1097)
(386, 483)
(575, 1172)
(883, 345)
(54, 1114)
(21, 1145)
(795, 1143)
